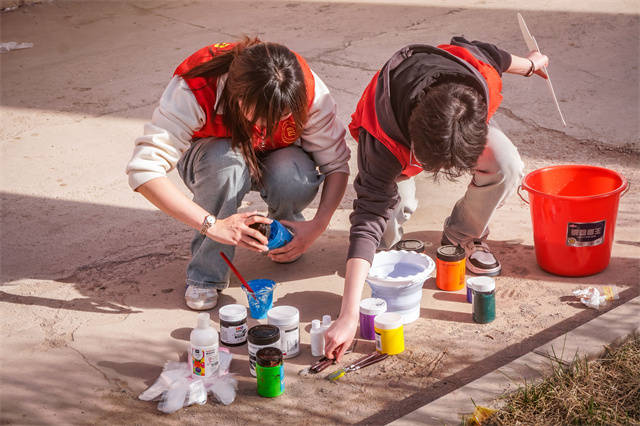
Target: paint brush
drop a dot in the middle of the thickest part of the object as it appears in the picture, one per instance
(365, 361)
(235, 271)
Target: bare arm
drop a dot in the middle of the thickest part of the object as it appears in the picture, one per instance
(307, 232)
(521, 66)
(343, 330)
(233, 230)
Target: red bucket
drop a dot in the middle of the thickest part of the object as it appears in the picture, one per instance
(573, 210)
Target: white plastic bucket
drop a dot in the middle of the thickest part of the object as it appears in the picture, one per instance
(397, 276)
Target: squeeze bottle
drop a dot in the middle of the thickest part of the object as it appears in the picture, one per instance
(203, 355)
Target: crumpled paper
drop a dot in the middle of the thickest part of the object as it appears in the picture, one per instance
(13, 45)
(592, 298)
(176, 388)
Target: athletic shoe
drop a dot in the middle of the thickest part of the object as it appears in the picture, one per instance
(480, 260)
(200, 298)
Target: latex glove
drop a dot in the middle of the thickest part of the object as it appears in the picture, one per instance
(304, 234)
(338, 337)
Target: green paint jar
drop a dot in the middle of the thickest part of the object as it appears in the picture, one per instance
(484, 300)
(270, 372)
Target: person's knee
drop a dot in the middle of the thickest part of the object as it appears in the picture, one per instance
(290, 176)
(506, 157)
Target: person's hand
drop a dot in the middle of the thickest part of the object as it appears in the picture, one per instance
(338, 337)
(234, 230)
(539, 62)
(304, 234)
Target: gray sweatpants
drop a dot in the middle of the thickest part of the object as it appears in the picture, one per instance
(496, 176)
(219, 179)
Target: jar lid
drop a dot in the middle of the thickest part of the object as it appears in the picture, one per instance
(388, 321)
(482, 284)
(373, 306)
(283, 315)
(232, 313)
(263, 334)
(410, 245)
(269, 357)
(450, 253)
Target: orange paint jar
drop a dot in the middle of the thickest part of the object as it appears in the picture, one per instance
(450, 267)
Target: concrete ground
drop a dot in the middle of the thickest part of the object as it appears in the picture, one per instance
(92, 275)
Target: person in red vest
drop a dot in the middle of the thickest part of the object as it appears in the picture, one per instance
(429, 109)
(238, 117)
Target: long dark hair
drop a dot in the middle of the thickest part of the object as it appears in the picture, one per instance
(448, 129)
(267, 79)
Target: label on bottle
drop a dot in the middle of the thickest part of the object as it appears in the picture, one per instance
(204, 360)
(234, 334)
(290, 341)
(378, 342)
(585, 234)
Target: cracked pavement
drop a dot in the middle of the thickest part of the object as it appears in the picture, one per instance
(93, 276)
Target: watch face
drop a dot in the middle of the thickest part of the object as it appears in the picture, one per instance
(210, 220)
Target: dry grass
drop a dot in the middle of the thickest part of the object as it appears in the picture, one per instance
(604, 391)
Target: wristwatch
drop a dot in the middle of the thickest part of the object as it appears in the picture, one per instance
(207, 223)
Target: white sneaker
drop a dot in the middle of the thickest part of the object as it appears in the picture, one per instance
(201, 299)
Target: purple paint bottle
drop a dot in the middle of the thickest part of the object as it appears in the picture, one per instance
(369, 308)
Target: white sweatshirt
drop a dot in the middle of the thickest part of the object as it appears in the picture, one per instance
(178, 116)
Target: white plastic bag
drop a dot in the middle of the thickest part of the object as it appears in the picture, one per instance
(12, 45)
(175, 388)
(592, 298)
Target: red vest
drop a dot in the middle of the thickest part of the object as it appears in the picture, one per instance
(365, 114)
(205, 92)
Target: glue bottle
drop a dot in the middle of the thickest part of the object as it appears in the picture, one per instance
(326, 323)
(317, 338)
(203, 356)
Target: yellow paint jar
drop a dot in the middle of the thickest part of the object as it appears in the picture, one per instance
(389, 333)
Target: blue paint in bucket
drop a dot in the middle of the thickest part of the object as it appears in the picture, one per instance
(263, 290)
(279, 235)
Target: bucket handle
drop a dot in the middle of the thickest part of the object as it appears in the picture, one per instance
(520, 194)
(623, 193)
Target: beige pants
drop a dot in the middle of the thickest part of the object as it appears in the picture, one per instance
(496, 176)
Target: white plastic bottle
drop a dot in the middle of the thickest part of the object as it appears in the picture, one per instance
(317, 338)
(326, 322)
(203, 356)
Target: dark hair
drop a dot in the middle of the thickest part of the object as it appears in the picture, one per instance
(267, 79)
(448, 128)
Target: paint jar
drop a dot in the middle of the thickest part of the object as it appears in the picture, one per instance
(233, 325)
(450, 264)
(263, 301)
(484, 300)
(277, 234)
(389, 333)
(287, 319)
(270, 372)
(369, 308)
(470, 290)
(261, 336)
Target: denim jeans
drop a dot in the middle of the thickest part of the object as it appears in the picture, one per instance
(219, 179)
(496, 176)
